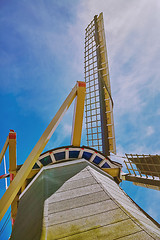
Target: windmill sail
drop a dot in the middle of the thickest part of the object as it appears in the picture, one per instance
(143, 170)
(99, 103)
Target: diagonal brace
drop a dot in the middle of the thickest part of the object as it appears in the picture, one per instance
(23, 173)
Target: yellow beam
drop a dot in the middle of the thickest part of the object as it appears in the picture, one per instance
(24, 185)
(114, 172)
(12, 170)
(14, 208)
(23, 173)
(107, 90)
(12, 153)
(4, 149)
(78, 114)
(32, 173)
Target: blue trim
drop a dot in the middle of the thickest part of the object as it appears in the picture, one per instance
(97, 160)
(59, 156)
(73, 154)
(105, 166)
(87, 155)
(45, 161)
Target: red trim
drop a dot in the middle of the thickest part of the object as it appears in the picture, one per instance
(2, 176)
(13, 221)
(81, 84)
(11, 176)
(67, 148)
(12, 135)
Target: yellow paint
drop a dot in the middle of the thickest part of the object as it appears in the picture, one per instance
(4, 149)
(114, 172)
(24, 171)
(78, 116)
(93, 231)
(105, 76)
(12, 155)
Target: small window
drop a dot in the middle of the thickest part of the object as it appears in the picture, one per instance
(73, 154)
(105, 165)
(86, 155)
(59, 156)
(97, 160)
(46, 160)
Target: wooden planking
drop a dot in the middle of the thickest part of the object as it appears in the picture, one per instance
(74, 193)
(101, 177)
(66, 222)
(80, 212)
(109, 232)
(69, 185)
(123, 200)
(114, 190)
(65, 205)
(77, 202)
(85, 210)
(130, 207)
(83, 224)
(138, 235)
(152, 229)
(83, 174)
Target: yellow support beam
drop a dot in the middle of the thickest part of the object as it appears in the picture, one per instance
(78, 114)
(4, 149)
(12, 152)
(105, 78)
(23, 173)
(12, 170)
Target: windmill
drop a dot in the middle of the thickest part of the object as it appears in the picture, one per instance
(143, 169)
(73, 192)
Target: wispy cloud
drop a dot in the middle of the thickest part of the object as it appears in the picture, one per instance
(149, 131)
(132, 30)
(49, 59)
(38, 53)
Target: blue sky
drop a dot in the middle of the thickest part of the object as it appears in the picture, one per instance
(41, 58)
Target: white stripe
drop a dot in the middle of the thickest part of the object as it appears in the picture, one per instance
(52, 158)
(81, 153)
(92, 157)
(5, 171)
(66, 154)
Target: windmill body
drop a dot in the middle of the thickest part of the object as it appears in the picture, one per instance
(77, 200)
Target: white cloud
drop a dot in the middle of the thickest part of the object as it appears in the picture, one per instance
(132, 34)
(132, 31)
(133, 40)
(158, 112)
(149, 131)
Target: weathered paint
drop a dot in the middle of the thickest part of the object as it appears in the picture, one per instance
(61, 204)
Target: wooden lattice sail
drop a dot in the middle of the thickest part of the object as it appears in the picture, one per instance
(99, 103)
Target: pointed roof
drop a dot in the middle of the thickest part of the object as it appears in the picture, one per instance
(76, 200)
